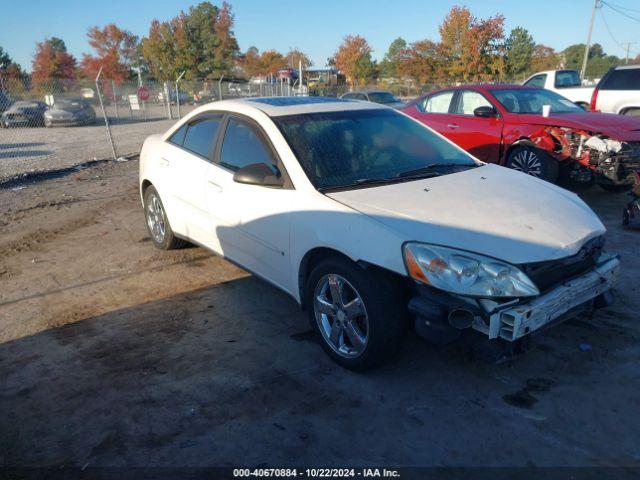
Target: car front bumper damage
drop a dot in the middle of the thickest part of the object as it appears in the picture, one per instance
(438, 315)
(514, 322)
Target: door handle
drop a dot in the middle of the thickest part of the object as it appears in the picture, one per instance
(214, 186)
(453, 125)
(164, 162)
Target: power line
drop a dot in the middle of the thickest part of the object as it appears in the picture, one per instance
(604, 20)
(624, 8)
(615, 9)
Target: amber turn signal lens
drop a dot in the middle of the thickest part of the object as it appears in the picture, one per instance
(414, 269)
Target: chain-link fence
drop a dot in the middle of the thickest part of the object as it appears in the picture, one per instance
(53, 124)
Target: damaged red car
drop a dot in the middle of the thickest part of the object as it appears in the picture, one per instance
(535, 131)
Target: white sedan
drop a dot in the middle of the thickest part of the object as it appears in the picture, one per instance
(368, 219)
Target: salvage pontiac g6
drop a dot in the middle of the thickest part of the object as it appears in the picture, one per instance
(368, 218)
(508, 125)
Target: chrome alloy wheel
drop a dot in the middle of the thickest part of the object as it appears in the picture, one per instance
(527, 161)
(341, 316)
(155, 218)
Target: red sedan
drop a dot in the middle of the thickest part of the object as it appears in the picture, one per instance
(536, 131)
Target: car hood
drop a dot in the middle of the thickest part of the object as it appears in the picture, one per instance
(618, 127)
(489, 210)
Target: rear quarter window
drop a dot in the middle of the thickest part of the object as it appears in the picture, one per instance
(627, 79)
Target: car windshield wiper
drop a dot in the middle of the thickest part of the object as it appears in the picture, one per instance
(431, 170)
(362, 181)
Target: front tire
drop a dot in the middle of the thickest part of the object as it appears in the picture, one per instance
(157, 222)
(533, 161)
(357, 314)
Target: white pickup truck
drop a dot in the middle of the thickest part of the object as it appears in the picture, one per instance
(564, 82)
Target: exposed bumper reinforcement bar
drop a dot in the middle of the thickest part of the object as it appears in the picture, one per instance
(512, 323)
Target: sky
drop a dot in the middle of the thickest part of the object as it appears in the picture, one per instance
(316, 27)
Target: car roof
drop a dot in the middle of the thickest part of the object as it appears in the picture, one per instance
(627, 67)
(282, 106)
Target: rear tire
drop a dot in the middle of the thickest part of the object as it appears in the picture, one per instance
(364, 324)
(157, 222)
(533, 161)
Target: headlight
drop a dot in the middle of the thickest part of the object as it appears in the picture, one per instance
(465, 273)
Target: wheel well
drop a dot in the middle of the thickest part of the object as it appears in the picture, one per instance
(316, 255)
(522, 141)
(145, 184)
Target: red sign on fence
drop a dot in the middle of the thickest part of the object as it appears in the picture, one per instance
(143, 94)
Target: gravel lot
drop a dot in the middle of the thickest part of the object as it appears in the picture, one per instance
(24, 150)
(113, 353)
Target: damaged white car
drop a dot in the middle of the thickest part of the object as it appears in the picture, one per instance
(367, 219)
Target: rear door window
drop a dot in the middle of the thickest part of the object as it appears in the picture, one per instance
(624, 79)
(178, 137)
(438, 103)
(201, 135)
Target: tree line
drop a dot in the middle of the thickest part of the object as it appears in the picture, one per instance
(202, 44)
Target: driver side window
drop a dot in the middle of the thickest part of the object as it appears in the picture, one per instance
(243, 146)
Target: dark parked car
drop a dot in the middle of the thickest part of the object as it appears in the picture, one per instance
(68, 112)
(24, 114)
(378, 96)
(5, 101)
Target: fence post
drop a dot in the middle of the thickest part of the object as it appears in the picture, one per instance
(106, 119)
(115, 99)
(178, 93)
(220, 86)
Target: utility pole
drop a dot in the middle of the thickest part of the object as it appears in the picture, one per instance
(626, 57)
(596, 4)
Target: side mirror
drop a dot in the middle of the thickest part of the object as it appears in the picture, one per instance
(485, 112)
(258, 174)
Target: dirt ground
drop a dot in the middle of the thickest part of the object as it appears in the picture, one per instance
(113, 353)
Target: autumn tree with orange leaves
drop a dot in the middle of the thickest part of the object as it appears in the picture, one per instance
(420, 61)
(470, 48)
(53, 67)
(271, 61)
(353, 58)
(115, 51)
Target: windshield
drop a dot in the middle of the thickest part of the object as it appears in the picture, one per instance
(25, 105)
(382, 97)
(341, 149)
(68, 104)
(531, 100)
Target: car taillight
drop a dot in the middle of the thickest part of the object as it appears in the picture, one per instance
(594, 99)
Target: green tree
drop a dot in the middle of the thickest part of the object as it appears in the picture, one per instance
(574, 54)
(200, 42)
(519, 50)
(8, 68)
(389, 64)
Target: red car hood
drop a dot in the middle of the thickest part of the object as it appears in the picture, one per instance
(618, 127)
